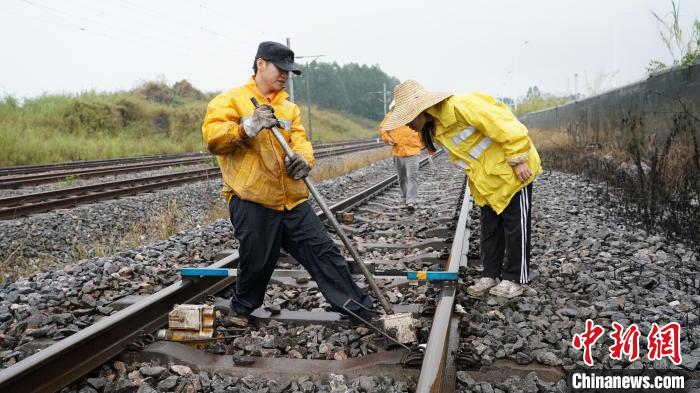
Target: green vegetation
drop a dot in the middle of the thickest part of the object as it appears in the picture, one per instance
(330, 126)
(683, 51)
(350, 88)
(100, 125)
(152, 119)
(68, 181)
(535, 100)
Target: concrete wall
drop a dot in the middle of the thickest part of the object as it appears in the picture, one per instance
(642, 112)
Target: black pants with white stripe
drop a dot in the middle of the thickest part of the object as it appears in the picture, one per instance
(261, 232)
(509, 234)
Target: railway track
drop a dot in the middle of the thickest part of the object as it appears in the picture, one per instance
(17, 176)
(391, 240)
(17, 206)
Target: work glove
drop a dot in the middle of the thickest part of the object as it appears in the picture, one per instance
(297, 167)
(263, 117)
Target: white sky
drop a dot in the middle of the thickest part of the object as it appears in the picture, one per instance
(499, 47)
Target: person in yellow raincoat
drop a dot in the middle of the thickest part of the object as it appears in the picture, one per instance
(265, 192)
(405, 147)
(483, 137)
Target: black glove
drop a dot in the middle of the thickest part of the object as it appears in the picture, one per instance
(263, 117)
(297, 167)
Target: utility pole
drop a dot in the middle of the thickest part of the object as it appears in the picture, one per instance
(291, 78)
(308, 99)
(384, 90)
(576, 85)
(307, 77)
(383, 98)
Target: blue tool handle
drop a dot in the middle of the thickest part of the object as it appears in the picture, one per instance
(206, 272)
(433, 276)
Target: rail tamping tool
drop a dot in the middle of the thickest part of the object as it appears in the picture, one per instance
(402, 322)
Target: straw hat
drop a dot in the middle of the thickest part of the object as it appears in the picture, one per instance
(411, 99)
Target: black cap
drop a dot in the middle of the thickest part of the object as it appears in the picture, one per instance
(279, 55)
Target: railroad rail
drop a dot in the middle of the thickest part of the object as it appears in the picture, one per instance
(43, 178)
(82, 165)
(18, 181)
(17, 206)
(66, 361)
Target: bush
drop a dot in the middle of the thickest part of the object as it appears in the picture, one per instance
(157, 92)
(87, 118)
(187, 120)
(129, 110)
(186, 92)
(161, 122)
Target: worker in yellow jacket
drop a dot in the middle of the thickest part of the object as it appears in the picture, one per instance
(405, 147)
(482, 136)
(266, 195)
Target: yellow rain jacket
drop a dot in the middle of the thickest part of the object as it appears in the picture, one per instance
(406, 141)
(484, 137)
(253, 168)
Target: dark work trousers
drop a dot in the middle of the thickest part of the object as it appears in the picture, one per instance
(261, 232)
(507, 233)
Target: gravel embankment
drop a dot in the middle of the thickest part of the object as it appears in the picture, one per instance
(590, 263)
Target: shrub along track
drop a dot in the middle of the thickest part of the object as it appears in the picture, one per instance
(17, 206)
(380, 231)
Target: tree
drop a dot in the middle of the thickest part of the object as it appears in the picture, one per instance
(535, 100)
(348, 88)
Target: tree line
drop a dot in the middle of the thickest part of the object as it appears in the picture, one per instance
(349, 88)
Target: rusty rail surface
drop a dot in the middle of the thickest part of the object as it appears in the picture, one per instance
(432, 375)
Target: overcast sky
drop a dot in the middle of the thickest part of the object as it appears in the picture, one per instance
(499, 47)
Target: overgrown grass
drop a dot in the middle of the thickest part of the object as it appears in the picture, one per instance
(68, 181)
(333, 168)
(152, 119)
(94, 126)
(329, 126)
(658, 186)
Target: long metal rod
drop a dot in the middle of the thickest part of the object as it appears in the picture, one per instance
(331, 218)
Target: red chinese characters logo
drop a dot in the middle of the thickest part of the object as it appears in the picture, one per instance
(586, 340)
(665, 342)
(626, 342)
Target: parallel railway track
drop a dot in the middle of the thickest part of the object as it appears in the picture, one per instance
(70, 168)
(17, 206)
(16, 177)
